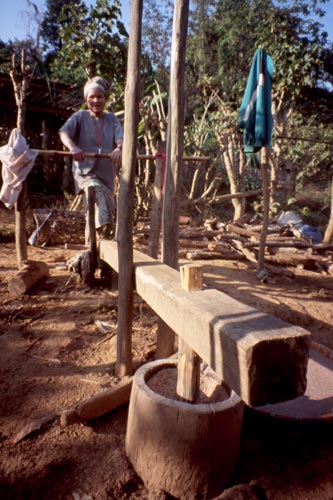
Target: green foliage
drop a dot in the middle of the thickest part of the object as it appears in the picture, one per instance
(94, 41)
(223, 37)
(51, 22)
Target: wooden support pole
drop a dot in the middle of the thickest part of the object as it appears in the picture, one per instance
(175, 136)
(188, 380)
(265, 188)
(174, 157)
(91, 226)
(156, 209)
(20, 227)
(126, 195)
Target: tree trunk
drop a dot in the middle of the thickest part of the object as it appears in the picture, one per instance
(329, 230)
(20, 85)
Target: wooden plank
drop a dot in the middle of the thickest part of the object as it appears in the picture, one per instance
(263, 358)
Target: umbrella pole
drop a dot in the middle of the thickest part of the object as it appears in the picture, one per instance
(265, 189)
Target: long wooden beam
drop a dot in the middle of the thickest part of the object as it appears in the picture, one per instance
(261, 357)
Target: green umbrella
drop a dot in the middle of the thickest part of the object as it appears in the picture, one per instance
(255, 115)
(255, 118)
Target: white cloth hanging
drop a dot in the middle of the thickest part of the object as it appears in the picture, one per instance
(17, 161)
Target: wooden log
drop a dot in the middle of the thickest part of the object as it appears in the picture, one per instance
(105, 401)
(188, 379)
(206, 255)
(199, 234)
(193, 244)
(232, 228)
(248, 253)
(262, 358)
(306, 261)
(27, 277)
(224, 248)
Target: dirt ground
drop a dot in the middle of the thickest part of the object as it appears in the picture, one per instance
(57, 348)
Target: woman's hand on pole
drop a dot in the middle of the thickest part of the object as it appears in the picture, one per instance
(116, 156)
(77, 153)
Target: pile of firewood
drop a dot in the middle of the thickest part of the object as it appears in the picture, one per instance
(284, 246)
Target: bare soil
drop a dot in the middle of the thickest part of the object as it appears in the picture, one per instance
(57, 349)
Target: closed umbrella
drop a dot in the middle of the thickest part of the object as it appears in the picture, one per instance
(256, 120)
(255, 115)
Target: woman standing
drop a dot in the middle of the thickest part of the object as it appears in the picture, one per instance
(95, 131)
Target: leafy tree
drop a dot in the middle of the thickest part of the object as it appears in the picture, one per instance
(221, 48)
(22, 61)
(51, 25)
(94, 41)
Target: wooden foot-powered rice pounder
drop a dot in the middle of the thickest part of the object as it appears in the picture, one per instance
(190, 449)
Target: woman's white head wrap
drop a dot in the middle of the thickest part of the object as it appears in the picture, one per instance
(96, 83)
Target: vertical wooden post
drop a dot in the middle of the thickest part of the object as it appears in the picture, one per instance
(20, 227)
(92, 226)
(126, 195)
(175, 136)
(188, 380)
(174, 159)
(156, 210)
(265, 190)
